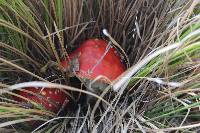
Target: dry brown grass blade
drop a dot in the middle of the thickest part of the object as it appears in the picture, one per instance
(51, 85)
(17, 121)
(53, 49)
(20, 68)
(18, 52)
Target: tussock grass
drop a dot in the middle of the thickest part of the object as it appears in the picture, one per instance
(161, 95)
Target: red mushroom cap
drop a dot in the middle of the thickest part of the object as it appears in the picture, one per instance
(95, 61)
(50, 98)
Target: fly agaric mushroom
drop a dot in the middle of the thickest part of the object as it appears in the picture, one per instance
(49, 98)
(94, 58)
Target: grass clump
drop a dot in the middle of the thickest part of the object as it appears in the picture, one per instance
(162, 95)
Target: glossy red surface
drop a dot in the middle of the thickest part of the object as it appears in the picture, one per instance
(50, 98)
(89, 56)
